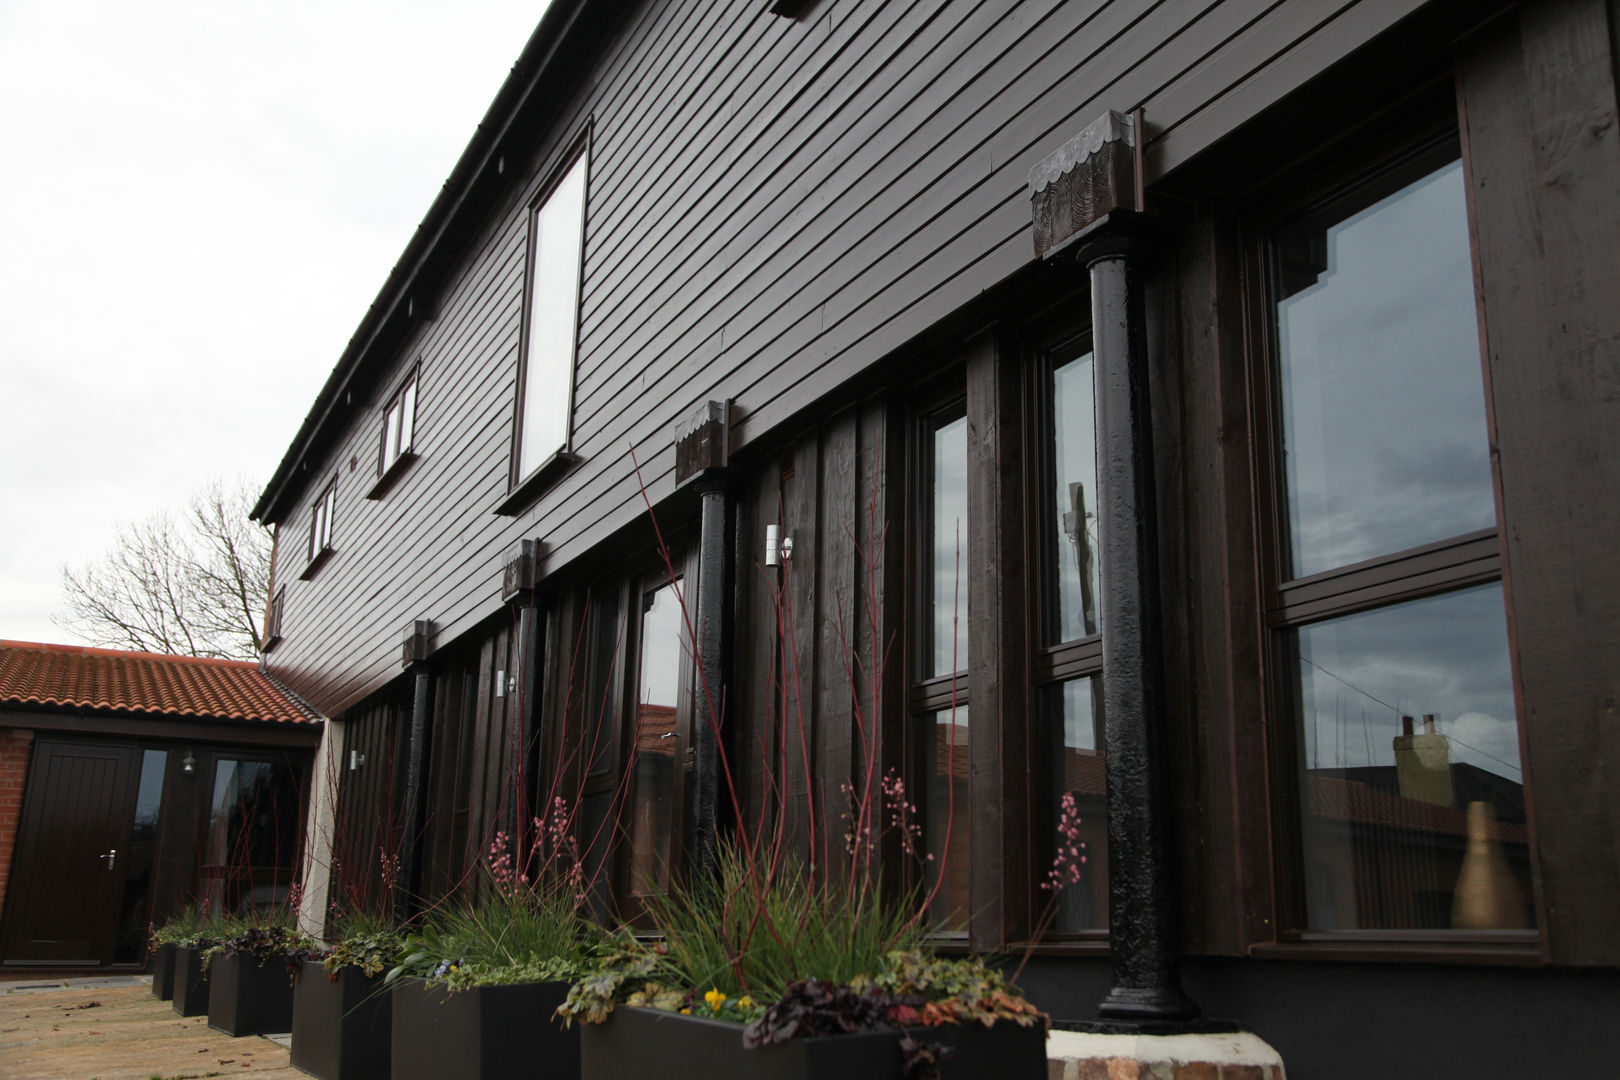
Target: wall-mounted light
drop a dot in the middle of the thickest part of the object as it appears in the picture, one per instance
(356, 760)
(778, 548)
(188, 763)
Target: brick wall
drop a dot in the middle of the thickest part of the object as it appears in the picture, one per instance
(14, 751)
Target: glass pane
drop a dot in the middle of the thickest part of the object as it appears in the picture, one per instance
(1074, 458)
(657, 744)
(1412, 795)
(252, 844)
(553, 318)
(134, 911)
(391, 435)
(1074, 844)
(946, 835)
(407, 417)
(1381, 389)
(948, 585)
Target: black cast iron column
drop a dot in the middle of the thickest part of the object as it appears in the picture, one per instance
(702, 462)
(716, 585)
(1142, 902)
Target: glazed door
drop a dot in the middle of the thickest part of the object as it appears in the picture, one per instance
(64, 900)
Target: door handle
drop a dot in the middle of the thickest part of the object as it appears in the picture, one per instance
(111, 857)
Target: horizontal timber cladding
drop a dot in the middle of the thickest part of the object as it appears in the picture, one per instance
(773, 207)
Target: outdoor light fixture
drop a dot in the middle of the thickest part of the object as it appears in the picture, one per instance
(778, 548)
(188, 762)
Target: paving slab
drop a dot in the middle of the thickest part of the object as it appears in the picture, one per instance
(121, 1032)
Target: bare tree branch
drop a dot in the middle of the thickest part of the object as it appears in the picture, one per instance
(195, 586)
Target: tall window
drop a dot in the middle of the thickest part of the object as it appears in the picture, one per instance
(1387, 612)
(1071, 821)
(939, 689)
(546, 375)
(658, 744)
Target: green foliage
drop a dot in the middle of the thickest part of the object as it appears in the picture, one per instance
(507, 936)
(953, 991)
(262, 943)
(366, 940)
(195, 929)
(753, 930)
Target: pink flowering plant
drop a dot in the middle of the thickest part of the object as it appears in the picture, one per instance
(810, 921)
(524, 924)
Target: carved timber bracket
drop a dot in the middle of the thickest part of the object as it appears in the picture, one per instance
(1095, 174)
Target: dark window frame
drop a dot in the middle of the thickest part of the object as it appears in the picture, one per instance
(942, 402)
(525, 485)
(389, 470)
(1046, 346)
(272, 621)
(1285, 603)
(322, 512)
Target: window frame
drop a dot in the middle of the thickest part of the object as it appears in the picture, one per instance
(942, 401)
(389, 469)
(612, 657)
(1044, 348)
(272, 621)
(525, 484)
(1286, 603)
(322, 512)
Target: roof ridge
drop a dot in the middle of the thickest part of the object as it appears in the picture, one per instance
(124, 654)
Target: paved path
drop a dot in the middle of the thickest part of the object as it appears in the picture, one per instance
(108, 1031)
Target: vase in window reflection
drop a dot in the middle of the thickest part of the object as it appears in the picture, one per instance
(1488, 895)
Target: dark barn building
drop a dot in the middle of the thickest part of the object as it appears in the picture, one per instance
(1204, 410)
(133, 785)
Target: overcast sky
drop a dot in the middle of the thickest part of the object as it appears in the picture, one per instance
(198, 201)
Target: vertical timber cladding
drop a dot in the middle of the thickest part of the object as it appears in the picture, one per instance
(1543, 147)
(477, 771)
(368, 821)
(802, 699)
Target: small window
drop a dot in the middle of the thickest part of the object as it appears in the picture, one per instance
(320, 528)
(272, 622)
(551, 324)
(396, 442)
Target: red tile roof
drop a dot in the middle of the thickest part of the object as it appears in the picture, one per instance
(78, 676)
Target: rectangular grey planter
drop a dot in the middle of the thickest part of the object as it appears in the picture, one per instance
(190, 982)
(341, 1027)
(636, 1043)
(160, 961)
(484, 1033)
(247, 998)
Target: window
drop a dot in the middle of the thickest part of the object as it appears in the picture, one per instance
(272, 622)
(1386, 609)
(1068, 702)
(320, 528)
(628, 730)
(551, 321)
(396, 441)
(939, 691)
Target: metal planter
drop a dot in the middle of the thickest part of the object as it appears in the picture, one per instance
(161, 961)
(190, 982)
(341, 1027)
(483, 1033)
(637, 1043)
(247, 998)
